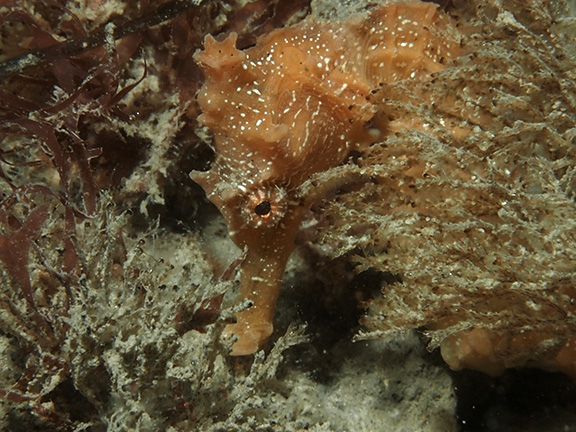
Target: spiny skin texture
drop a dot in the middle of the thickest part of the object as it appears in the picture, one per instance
(292, 106)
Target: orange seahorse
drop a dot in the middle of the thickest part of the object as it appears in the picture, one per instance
(294, 105)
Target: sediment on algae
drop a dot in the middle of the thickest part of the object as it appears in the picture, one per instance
(473, 211)
(116, 277)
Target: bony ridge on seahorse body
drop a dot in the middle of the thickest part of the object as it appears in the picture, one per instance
(292, 106)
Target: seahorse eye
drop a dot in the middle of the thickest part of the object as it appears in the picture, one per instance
(264, 206)
(263, 209)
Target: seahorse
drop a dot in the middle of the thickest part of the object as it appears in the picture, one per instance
(296, 104)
